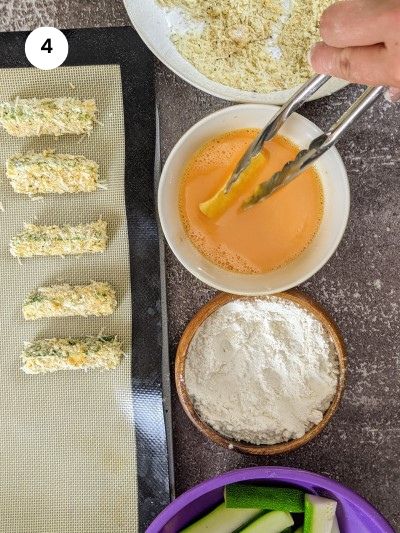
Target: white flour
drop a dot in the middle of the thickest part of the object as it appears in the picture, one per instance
(261, 371)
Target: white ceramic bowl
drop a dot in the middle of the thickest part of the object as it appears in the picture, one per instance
(151, 23)
(336, 209)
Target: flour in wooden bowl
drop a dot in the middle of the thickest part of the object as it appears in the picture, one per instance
(257, 45)
(262, 371)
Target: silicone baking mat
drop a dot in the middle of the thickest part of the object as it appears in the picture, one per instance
(86, 452)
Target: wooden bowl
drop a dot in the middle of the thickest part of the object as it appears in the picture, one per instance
(257, 449)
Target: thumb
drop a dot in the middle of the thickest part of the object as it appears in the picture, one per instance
(364, 64)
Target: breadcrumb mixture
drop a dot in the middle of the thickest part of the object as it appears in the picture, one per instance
(253, 45)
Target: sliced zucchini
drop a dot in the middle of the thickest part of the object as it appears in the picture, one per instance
(319, 514)
(335, 527)
(239, 496)
(273, 522)
(222, 520)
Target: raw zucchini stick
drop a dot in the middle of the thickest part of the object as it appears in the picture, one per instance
(268, 498)
(50, 116)
(95, 299)
(319, 514)
(335, 526)
(60, 240)
(50, 355)
(222, 520)
(273, 522)
(52, 173)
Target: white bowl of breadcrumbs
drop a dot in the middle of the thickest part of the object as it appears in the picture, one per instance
(235, 49)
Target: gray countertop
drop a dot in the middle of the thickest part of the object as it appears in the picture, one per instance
(360, 286)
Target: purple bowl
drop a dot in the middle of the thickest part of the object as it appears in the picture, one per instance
(355, 514)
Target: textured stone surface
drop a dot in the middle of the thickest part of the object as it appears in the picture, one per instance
(360, 286)
(29, 14)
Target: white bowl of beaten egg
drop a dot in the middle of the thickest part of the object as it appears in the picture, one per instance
(268, 248)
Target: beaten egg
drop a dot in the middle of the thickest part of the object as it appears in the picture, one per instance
(264, 237)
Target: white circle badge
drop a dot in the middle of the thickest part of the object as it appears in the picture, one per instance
(46, 48)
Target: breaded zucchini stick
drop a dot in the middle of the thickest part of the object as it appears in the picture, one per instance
(95, 299)
(49, 172)
(49, 116)
(60, 240)
(50, 355)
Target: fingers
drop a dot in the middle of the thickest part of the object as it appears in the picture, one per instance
(360, 22)
(370, 65)
(393, 94)
(361, 42)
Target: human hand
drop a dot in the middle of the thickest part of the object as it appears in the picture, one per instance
(361, 43)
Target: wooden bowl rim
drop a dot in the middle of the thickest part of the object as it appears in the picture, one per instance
(294, 295)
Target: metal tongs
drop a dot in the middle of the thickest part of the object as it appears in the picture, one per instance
(318, 146)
